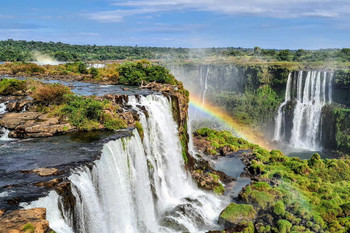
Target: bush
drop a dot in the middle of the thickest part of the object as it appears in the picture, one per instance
(53, 94)
(284, 226)
(134, 73)
(113, 123)
(93, 72)
(10, 86)
(84, 113)
(279, 208)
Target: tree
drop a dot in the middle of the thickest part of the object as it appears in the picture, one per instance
(284, 55)
(257, 51)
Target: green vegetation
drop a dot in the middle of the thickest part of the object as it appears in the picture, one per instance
(139, 128)
(235, 213)
(220, 139)
(11, 50)
(219, 188)
(300, 195)
(342, 129)
(87, 113)
(11, 86)
(253, 108)
(28, 228)
(127, 73)
(50, 94)
(135, 73)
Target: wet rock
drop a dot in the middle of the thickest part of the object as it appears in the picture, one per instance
(17, 106)
(12, 120)
(208, 181)
(16, 220)
(128, 117)
(45, 171)
(49, 184)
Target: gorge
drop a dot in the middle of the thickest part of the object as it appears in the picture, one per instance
(139, 168)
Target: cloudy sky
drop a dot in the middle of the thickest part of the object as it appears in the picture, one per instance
(309, 24)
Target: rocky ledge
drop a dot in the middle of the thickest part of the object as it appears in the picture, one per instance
(33, 220)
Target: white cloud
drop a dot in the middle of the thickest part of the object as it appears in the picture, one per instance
(265, 8)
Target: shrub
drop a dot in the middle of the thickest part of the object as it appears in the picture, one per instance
(10, 86)
(53, 94)
(113, 123)
(84, 113)
(279, 208)
(93, 72)
(134, 73)
(284, 226)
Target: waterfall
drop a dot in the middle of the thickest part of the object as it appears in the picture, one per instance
(306, 94)
(204, 83)
(3, 108)
(141, 185)
(3, 131)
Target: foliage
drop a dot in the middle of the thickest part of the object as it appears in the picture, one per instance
(252, 108)
(302, 195)
(134, 73)
(223, 138)
(50, 94)
(88, 114)
(342, 126)
(11, 50)
(10, 86)
(219, 188)
(127, 73)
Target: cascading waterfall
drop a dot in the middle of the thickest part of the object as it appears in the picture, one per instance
(141, 185)
(4, 132)
(306, 94)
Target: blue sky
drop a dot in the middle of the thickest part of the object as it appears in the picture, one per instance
(309, 24)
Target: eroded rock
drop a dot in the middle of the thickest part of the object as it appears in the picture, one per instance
(15, 221)
(33, 124)
(45, 171)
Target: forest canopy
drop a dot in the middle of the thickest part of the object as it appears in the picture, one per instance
(11, 50)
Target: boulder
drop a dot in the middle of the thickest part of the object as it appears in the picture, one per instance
(17, 106)
(18, 220)
(234, 213)
(45, 171)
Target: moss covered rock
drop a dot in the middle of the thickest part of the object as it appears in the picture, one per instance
(233, 214)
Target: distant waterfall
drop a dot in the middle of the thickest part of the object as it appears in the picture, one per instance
(203, 77)
(298, 120)
(141, 185)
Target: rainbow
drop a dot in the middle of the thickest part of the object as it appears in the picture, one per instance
(240, 129)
